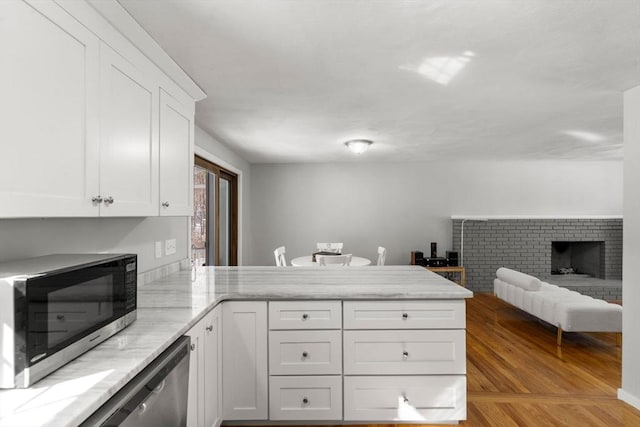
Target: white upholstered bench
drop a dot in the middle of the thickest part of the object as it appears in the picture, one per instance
(567, 310)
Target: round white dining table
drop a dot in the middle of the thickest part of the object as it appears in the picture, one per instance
(305, 261)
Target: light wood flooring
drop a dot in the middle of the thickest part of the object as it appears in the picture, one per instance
(517, 376)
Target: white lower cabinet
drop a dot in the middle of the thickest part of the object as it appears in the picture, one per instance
(305, 397)
(205, 368)
(404, 361)
(432, 398)
(303, 361)
(244, 358)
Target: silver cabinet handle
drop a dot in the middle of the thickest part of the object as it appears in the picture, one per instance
(109, 200)
(405, 354)
(405, 316)
(97, 199)
(193, 347)
(305, 316)
(405, 399)
(209, 328)
(165, 204)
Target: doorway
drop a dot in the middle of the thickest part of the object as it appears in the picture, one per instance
(214, 224)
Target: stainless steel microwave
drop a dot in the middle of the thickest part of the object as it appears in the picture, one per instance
(54, 308)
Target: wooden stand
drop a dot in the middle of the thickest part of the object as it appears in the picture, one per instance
(452, 269)
(462, 281)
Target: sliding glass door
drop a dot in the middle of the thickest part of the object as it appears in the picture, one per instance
(214, 227)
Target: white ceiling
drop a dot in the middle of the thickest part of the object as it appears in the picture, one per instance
(291, 80)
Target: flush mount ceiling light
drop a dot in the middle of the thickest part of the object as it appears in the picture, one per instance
(358, 146)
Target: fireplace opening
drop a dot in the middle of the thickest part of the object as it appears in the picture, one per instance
(584, 258)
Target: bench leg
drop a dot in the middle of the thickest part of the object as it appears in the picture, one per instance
(559, 339)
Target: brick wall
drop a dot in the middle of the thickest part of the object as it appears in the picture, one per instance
(525, 245)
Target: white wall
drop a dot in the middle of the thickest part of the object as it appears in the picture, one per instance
(630, 391)
(215, 151)
(24, 238)
(406, 206)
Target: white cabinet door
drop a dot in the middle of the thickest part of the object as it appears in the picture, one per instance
(244, 357)
(176, 157)
(195, 406)
(49, 110)
(128, 138)
(205, 371)
(212, 367)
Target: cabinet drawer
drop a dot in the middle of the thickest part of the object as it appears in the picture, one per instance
(305, 315)
(305, 352)
(305, 398)
(449, 314)
(400, 398)
(404, 352)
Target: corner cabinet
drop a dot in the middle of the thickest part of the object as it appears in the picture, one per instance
(88, 129)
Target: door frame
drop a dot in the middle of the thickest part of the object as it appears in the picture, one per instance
(236, 241)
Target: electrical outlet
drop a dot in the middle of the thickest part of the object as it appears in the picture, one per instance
(170, 246)
(158, 249)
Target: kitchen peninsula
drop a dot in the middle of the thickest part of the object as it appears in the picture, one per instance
(296, 344)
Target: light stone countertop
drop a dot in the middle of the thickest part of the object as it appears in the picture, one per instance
(168, 307)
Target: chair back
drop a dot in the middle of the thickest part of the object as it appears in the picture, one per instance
(330, 247)
(382, 255)
(280, 259)
(334, 260)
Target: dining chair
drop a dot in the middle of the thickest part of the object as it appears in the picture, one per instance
(330, 247)
(334, 260)
(280, 259)
(382, 255)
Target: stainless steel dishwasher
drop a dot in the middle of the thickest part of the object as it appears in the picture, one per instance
(155, 397)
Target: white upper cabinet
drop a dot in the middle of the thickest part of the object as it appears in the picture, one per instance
(85, 129)
(49, 110)
(128, 138)
(176, 156)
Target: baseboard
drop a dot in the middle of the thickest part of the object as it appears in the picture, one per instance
(629, 398)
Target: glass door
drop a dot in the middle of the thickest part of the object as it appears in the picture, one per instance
(214, 227)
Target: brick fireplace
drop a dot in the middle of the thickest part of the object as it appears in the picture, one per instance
(527, 245)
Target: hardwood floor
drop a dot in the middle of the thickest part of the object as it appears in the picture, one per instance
(517, 376)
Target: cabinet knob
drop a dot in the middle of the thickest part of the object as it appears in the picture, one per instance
(305, 354)
(108, 200)
(165, 204)
(193, 347)
(209, 328)
(405, 316)
(405, 399)
(405, 354)
(305, 400)
(305, 316)
(97, 199)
